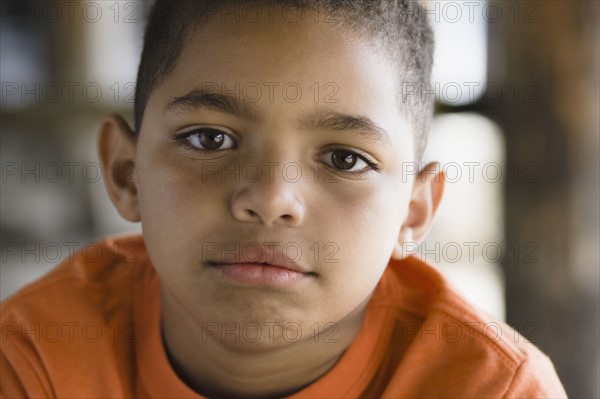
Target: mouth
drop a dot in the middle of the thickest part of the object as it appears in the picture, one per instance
(261, 274)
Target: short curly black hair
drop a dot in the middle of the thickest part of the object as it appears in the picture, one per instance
(400, 25)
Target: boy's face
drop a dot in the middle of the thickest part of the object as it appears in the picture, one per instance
(285, 167)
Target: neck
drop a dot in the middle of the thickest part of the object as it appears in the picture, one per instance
(217, 368)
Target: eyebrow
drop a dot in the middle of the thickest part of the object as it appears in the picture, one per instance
(226, 103)
(329, 120)
(346, 123)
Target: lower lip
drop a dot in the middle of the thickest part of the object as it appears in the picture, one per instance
(260, 275)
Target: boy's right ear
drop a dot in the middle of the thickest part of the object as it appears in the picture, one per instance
(117, 152)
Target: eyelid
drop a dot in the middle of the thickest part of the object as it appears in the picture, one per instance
(191, 129)
(369, 159)
(372, 165)
(182, 137)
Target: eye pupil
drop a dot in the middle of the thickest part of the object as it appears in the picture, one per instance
(343, 159)
(212, 140)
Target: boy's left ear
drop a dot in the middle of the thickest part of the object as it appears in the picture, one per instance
(426, 196)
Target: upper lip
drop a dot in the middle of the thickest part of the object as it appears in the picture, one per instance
(267, 256)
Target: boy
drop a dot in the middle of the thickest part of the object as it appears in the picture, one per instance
(268, 168)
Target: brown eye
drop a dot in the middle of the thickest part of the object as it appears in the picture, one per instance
(210, 139)
(348, 161)
(344, 160)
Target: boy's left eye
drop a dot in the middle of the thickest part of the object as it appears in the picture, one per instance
(348, 161)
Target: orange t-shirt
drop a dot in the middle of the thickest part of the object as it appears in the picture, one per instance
(91, 329)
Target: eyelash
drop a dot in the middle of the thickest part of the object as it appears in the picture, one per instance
(182, 139)
(371, 165)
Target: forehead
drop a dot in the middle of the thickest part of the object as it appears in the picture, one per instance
(283, 66)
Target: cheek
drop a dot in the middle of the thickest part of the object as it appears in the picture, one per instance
(175, 191)
(177, 210)
(364, 224)
(362, 219)
(164, 195)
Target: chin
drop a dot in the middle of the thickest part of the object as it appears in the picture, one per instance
(259, 334)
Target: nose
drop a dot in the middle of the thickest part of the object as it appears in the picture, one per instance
(269, 203)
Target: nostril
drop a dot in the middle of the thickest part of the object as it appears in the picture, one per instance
(251, 212)
(286, 217)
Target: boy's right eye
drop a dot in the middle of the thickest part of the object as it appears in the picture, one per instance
(207, 139)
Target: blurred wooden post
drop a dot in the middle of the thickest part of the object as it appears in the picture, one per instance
(544, 56)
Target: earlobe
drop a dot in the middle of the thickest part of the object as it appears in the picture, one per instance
(117, 153)
(426, 196)
(405, 244)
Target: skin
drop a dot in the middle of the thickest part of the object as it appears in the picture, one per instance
(366, 217)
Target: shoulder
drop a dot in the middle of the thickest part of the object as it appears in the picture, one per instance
(467, 352)
(68, 323)
(93, 273)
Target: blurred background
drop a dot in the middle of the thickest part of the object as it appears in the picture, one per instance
(516, 131)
